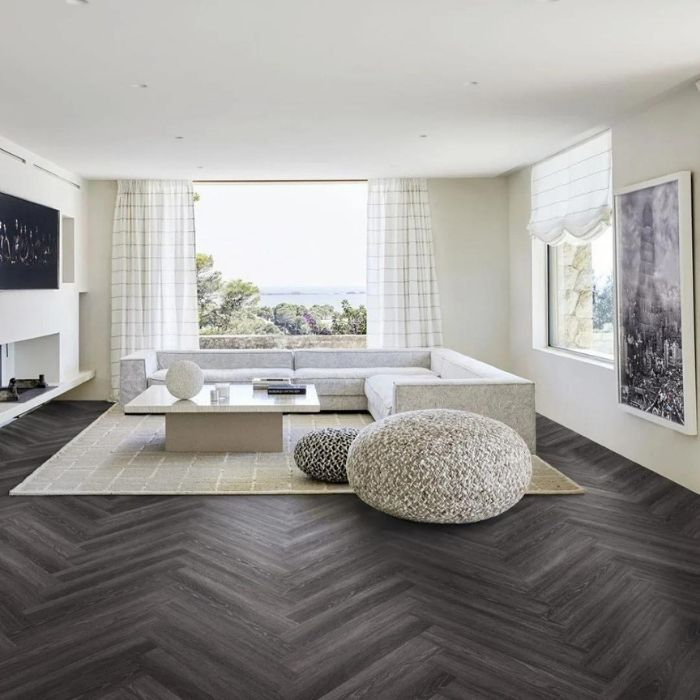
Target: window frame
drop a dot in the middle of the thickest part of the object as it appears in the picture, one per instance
(546, 320)
(288, 344)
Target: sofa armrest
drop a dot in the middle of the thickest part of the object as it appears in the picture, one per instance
(437, 357)
(512, 403)
(134, 371)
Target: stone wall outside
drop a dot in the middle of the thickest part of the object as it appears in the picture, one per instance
(288, 342)
(575, 296)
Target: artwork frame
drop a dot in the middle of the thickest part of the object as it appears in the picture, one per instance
(30, 239)
(654, 302)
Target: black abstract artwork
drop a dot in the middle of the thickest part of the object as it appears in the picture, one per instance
(29, 239)
(650, 302)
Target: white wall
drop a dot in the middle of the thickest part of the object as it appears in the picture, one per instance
(95, 319)
(33, 313)
(470, 232)
(660, 140)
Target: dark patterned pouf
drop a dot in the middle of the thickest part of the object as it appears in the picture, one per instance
(322, 453)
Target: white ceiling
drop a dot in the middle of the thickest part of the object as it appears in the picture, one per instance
(329, 88)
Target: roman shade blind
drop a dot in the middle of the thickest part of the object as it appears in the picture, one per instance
(572, 193)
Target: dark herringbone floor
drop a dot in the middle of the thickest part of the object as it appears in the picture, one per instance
(594, 596)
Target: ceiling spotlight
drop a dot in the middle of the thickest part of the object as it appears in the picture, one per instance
(423, 136)
(179, 138)
(472, 82)
(141, 86)
(77, 2)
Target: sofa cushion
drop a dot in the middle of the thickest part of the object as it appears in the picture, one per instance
(212, 376)
(452, 370)
(349, 381)
(453, 365)
(379, 390)
(379, 397)
(229, 359)
(361, 358)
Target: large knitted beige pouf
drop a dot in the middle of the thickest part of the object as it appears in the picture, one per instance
(439, 466)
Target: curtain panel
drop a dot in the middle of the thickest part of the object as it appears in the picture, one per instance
(154, 277)
(572, 193)
(403, 303)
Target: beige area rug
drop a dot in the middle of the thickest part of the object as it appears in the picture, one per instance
(124, 455)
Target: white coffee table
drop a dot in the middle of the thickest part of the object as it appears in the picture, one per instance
(251, 421)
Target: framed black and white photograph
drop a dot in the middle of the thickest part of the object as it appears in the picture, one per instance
(656, 323)
(29, 241)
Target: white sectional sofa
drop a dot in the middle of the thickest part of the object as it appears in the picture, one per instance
(380, 381)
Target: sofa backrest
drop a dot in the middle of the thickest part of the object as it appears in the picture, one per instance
(362, 358)
(229, 359)
(453, 365)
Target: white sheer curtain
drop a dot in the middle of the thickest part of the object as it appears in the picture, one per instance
(403, 303)
(572, 193)
(154, 277)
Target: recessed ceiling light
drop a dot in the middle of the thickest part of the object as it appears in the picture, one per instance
(423, 136)
(77, 2)
(179, 138)
(472, 82)
(142, 86)
(200, 167)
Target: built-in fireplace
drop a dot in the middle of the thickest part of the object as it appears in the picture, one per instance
(28, 368)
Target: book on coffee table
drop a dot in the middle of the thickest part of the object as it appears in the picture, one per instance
(288, 388)
(265, 382)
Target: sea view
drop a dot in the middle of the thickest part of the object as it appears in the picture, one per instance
(310, 296)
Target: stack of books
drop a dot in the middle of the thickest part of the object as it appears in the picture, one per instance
(278, 385)
(286, 388)
(265, 382)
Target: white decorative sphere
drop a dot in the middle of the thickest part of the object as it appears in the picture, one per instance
(184, 379)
